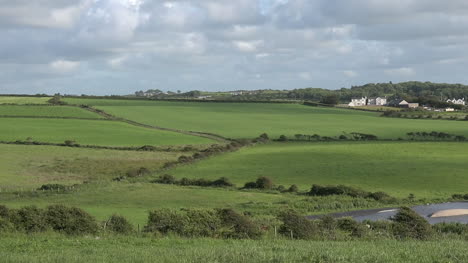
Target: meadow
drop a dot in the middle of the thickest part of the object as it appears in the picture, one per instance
(90, 132)
(55, 248)
(47, 111)
(29, 167)
(23, 100)
(248, 120)
(426, 169)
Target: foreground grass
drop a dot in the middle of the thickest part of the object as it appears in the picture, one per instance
(90, 132)
(47, 111)
(23, 100)
(56, 248)
(247, 120)
(398, 168)
(28, 167)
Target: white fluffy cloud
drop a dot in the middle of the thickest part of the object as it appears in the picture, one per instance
(224, 44)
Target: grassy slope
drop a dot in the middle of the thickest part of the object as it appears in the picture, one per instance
(23, 100)
(247, 120)
(48, 111)
(108, 133)
(27, 167)
(134, 200)
(400, 168)
(54, 248)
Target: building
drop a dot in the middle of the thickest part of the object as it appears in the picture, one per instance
(457, 101)
(358, 102)
(364, 101)
(449, 109)
(403, 104)
(377, 101)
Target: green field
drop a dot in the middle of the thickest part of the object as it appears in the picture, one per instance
(247, 120)
(54, 248)
(47, 111)
(28, 167)
(23, 100)
(90, 132)
(399, 168)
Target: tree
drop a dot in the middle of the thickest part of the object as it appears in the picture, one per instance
(408, 224)
(330, 99)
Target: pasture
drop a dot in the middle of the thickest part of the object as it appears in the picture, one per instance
(47, 111)
(248, 120)
(90, 132)
(23, 100)
(398, 168)
(29, 167)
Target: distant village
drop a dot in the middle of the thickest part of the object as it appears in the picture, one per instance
(382, 101)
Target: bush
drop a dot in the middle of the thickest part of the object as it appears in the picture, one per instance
(187, 223)
(297, 226)
(222, 182)
(283, 138)
(53, 187)
(352, 227)
(165, 221)
(318, 190)
(29, 219)
(4, 211)
(142, 171)
(408, 224)
(70, 220)
(165, 179)
(250, 185)
(237, 225)
(293, 189)
(264, 183)
(119, 224)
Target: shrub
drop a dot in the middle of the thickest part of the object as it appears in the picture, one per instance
(4, 211)
(379, 196)
(6, 225)
(142, 171)
(188, 223)
(318, 190)
(250, 185)
(237, 225)
(352, 227)
(293, 189)
(165, 179)
(297, 226)
(408, 224)
(70, 220)
(165, 221)
(283, 138)
(53, 187)
(222, 182)
(29, 219)
(119, 224)
(264, 183)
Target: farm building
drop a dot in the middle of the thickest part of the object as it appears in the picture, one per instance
(403, 104)
(457, 101)
(358, 102)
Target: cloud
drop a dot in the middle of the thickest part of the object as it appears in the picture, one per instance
(223, 44)
(400, 72)
(64, 66)
(350, 73)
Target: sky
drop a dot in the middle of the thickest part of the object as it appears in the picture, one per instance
(104, 47)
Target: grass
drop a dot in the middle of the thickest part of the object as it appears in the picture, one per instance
(23, 100)
(56, 248)
(46, 111)
(247, 120)
(29, 167)
(90, 132)
(399, 168)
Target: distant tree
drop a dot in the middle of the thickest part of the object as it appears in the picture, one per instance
(330, 100)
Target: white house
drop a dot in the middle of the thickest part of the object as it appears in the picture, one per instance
(457, 101)
(358, 102)
(449, 109)
(379, 101)
(364, 101)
